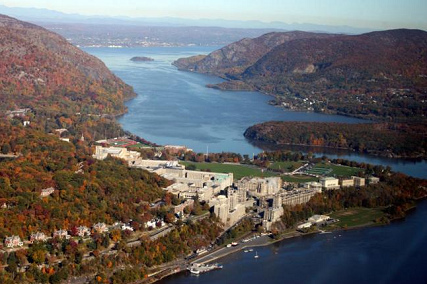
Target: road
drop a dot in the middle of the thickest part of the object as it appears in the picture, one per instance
(261, 241)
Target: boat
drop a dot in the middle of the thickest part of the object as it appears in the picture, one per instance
(251, 249)
(197, 269)
(256, 255)
(195, 272)
(245, 250)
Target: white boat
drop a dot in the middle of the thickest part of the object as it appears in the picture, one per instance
(195, 272)
(245, 250)
(256, 255)
(251, 249)
(197, 269)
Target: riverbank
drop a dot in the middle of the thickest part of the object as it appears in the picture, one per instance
(263, 241)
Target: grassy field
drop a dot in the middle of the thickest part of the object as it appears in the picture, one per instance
(238, 171)
(285, 165)
(358, 216)
(299, 178)
(337, 170)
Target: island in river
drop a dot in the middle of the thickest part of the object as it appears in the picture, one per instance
(141, 59)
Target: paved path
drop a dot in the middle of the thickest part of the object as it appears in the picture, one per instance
(261, 241)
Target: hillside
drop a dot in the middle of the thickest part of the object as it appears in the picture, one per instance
(383, 139)
(41, 70)
(234, 58)
(379, 75)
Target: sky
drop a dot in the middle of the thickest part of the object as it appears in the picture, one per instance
(382, 14)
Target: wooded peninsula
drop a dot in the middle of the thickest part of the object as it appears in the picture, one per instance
(382, 139)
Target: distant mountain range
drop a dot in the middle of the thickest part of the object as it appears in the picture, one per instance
(41, 70)
(379, 75)
(48, 16)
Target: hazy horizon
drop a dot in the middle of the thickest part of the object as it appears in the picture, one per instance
(376, 14)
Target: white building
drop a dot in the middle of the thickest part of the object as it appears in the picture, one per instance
(259, 187)
(38, 237)
(298, 196)
(83, 231)
(47, 191)
(358, 181)
(313, 185)
(304, 226)
(221, 208)
(100, 228)
(13, 241)
(373, 180)
(347, 182)
(62, 234)
(126, 228)
(122, 153)
(318, 219)
(329, 183)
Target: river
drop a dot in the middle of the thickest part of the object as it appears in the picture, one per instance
(396, 253)
(174, 107)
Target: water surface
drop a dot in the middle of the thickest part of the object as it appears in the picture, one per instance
(175, 107)
(396, 253)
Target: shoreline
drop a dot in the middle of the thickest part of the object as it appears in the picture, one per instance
(270, 241)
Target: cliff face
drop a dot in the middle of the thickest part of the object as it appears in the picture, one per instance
(40, 69)
(380, 75)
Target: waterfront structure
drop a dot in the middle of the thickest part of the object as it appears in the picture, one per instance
(13, 241)
(305, 225)
(358, 181)
(318, 219)
(329, 183)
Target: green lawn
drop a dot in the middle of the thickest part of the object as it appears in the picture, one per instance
(238, 171)
(299, 178)
(285, 165)
(336, 170)
(358, 216)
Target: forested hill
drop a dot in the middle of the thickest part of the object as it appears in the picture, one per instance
(383, 139)
(378, 75)
(41, 70)
(234, 58)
